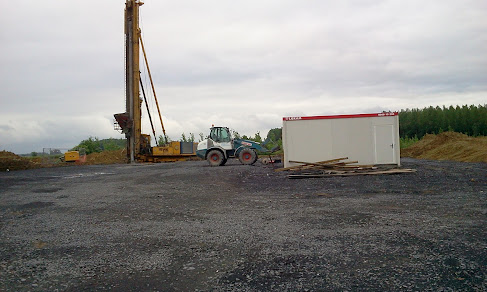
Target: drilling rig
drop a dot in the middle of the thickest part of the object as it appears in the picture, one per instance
(139, 147)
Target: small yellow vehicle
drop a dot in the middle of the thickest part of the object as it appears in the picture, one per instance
(74, 156)
(71, 156)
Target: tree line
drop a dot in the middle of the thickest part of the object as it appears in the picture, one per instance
(470, 120)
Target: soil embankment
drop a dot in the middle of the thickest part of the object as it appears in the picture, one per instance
(449, 146)
(107, 157)
(10, 161)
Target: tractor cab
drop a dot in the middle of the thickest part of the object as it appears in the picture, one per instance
(220, 134)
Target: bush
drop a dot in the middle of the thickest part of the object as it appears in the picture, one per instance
(406, 142)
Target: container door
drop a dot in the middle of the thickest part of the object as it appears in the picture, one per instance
(384, 144)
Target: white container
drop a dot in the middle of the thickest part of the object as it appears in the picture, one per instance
(366, 138)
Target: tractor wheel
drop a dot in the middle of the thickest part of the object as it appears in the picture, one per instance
(247, 156)
(215, 158)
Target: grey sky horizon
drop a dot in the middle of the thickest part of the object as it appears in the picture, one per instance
(241, 64)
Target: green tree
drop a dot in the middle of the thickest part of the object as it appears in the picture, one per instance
(183, 138)
(113, 144)
(471, 120)
(274, 138)
(257, 137)
(91, 145)
(274, 134)
(163, 140)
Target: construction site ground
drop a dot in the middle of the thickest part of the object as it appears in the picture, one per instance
(189, 227)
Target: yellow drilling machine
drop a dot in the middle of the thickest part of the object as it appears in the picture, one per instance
(139, 147)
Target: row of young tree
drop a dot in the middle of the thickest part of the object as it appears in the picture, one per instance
(470, 120)
(162, 140)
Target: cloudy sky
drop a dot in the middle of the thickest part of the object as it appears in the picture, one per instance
(241, 64)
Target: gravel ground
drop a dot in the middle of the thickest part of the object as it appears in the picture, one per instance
(188, 227)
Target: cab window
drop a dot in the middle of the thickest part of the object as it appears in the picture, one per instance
(220, 135)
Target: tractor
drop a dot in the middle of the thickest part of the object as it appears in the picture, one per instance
(219, 146)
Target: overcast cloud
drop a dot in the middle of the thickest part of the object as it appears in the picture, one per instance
(241, 64)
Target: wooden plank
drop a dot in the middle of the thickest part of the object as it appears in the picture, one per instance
(350, 162)
(359, 166)
(299, 166)
(320, 162)
(324, 166)
(333, 160)
(390, 171)
(346, 162)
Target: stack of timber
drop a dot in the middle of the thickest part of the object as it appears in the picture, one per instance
(339, 167)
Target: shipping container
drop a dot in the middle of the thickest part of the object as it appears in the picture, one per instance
(366, 138)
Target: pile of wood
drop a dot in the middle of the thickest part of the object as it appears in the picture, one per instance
(338, 167)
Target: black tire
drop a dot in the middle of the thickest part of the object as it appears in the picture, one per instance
(247, 156)
(223, 162)
(215, 158)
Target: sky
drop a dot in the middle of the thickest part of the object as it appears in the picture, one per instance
(241, 64)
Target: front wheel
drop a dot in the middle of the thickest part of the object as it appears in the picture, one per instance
(247, 156)
(216, 158)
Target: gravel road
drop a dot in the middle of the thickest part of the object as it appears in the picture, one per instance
(189, 227)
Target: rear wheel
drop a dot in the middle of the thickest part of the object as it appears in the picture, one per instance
(247, 156)
(215, 158)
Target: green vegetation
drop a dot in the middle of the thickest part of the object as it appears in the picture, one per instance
(93, 144)
(161, 140)
(469, 120)
(187, 139)
(406, 142)
(274, 138)
(256, 137)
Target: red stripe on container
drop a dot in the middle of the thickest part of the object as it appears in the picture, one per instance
(389, 114)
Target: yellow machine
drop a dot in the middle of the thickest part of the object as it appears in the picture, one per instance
(71, 156)
(75, 156)
(138, 145)
(173, 148)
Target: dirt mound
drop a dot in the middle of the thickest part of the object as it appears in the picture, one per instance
(449, 146)
(107, 157)
(11, 161)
